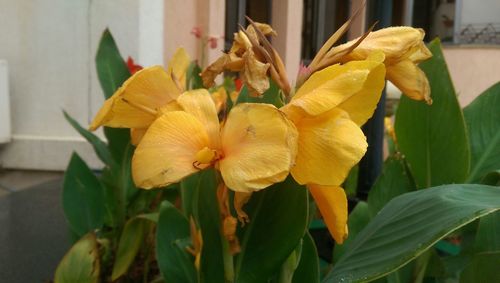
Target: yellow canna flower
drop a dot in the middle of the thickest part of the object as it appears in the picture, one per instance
(328, 110)
(255, 148)
(134, 105)
(403, 48)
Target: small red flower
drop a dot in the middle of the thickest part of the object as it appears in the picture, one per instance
(132, 67)
(238, 83)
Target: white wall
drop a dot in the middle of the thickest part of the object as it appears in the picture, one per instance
(480, 11)
(50, 47)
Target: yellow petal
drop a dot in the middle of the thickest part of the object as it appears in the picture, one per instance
(213, 70)
(220, 97)
(421, 53)
(133, 105)
(355, 87)
(199, 103)
(332, 203)
(178, 65)
(136, 135)
(329, 146)
(167, 151)
(255, 74)
(411, 80)
(259, 146)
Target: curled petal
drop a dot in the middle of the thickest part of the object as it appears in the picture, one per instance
(332, 203)
(259, 145)
(213, 70)
(167, 151)
(134, 104)
(199, 103)
(411, 80)
(255, 74)
(329, 146)
(355, 87)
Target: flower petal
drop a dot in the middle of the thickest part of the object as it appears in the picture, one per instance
(255, 74)
(329, 146)
(259, 146)
(410, 79)
(167, 151)
(178, 65)
(200, 104)
(332, 203)
(355, 87)
(136, 135)
(149, 88)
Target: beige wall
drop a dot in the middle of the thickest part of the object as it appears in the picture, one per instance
(473, 69)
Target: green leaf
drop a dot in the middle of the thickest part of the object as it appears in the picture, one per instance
(358, 219)
(488, 234)
(482, 268)
(81, 263)
(207, 215)
(175, 264)
(131, 240)
(395, 180)
(271, 96)
(83, 197)
(483, 123)
(278, 221)
(112, 72)
(408, 225)
(193, 78)
(492, 178)
(308, 268)
(100, 147)
(424, 132)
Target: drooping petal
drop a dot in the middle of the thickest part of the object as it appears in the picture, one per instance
(167, 151)
(136, 135)
(213, 70)
(329, 146)
(332, 203)
(199, 103)
(133, 104)
(259, 145)
(355, 87)
(255, 74)
(410, 79)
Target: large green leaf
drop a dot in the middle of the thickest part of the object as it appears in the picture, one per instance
(83, 197)
(112, 71)
(175, 264)
(131, 240)
(410, 224)
(488, 233)
(81, 264)
(308, 268)
(483, 123)
(482, 269)
(271, 96)
(395, 180)
(278, 220)
(207, 214)
(100, 147)
(433, 138)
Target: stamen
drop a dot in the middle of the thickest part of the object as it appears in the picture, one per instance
(140, 107)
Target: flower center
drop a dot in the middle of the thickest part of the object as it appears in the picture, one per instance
(205, 156)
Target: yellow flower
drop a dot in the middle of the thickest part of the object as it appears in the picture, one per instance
(328, 110)
(255, 148)
(403, 48)
(134, 105)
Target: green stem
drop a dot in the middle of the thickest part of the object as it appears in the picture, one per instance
(228, 262)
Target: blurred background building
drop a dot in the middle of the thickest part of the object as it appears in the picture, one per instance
(48, 49)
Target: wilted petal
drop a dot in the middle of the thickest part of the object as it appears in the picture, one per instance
(255, 74)
(332, 203)
(329, 146)
(355, 87)
(167, 151)
(410, 79)
(131, 106)
(213, 70)
(199, 103)
(259, 145)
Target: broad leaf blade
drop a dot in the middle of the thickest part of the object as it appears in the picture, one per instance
(308, 268)
(112, 71)
(483, 123)
(433, 138)
(488, 234)
(410, 224)
(83, 197)
(271, 96)
(175, 264)
(278, 220)
(483, 268)
(100, 147)
(81, 264)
